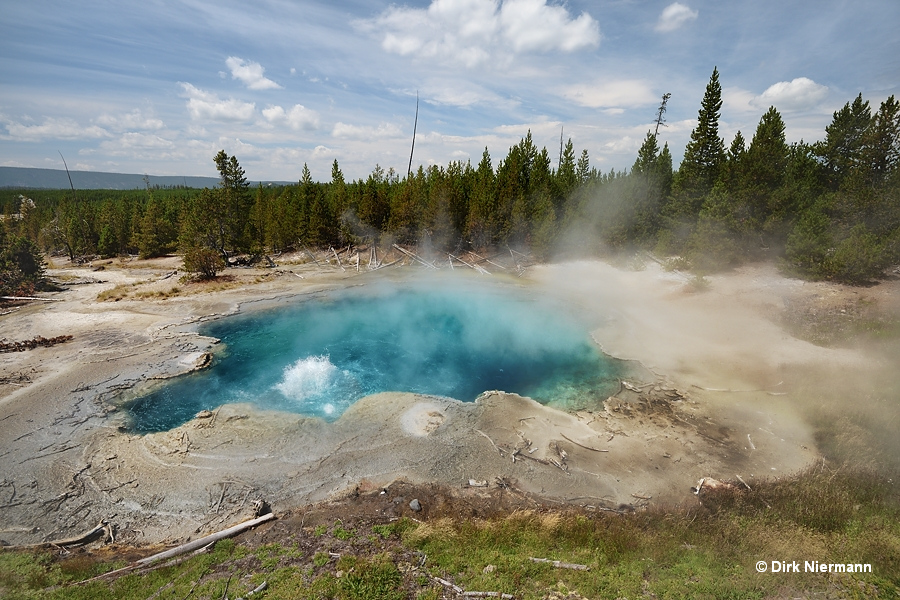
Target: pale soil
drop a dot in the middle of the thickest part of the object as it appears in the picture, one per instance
(725, 396)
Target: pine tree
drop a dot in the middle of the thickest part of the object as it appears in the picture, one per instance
(704, 154)
(235, 203)
(762, 171)
(881, 144)
(481, 224)
(566, 178)
(583, 170)
(841, 151)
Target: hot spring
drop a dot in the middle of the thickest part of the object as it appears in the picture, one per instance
(317, 356)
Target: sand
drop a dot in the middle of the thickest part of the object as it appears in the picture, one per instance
(718, 397)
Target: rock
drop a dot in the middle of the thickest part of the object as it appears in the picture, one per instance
(489, 569)
(415, 505)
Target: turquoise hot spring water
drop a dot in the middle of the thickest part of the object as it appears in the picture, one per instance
(318, 355)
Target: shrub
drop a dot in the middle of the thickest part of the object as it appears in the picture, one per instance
(203, 261)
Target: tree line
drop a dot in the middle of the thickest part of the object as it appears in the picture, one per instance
(829, 209)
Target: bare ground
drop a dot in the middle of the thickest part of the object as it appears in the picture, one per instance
(724, 395)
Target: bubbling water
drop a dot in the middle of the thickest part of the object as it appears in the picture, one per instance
(318, 356)
(311, 381)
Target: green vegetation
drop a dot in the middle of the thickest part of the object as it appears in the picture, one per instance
(704, 551)
(829, 210)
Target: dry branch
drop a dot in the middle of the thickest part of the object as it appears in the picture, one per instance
(491, 441)
(582, 445)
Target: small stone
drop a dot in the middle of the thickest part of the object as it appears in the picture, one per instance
(415, 505)
(489, 569)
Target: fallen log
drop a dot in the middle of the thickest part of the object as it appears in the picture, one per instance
(413, 256)
(338, 259)
(103, 526)
(561, 565)
(481, 270)
(199, 543)
(30, 298)
(183, 549)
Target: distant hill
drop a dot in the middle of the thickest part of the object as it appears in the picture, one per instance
(56, 179)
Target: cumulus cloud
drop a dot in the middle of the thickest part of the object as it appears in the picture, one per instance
(206, 105)
(472, 33)
(674, 16)
(366, 132)
(51, 129)
(298, 117)
(798, 94)
(611, 94)
(251, 74)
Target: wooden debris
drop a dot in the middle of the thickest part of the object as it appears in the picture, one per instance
(35, 342)
(487, 595)
(338, 258)
(481, 270)
(261, 587)
(446, 583)
(415, 257)
(491, 441)
(561, 565)
(102, 527)
(311, 255)
(199, 543)
(711, 484)
(582, 445)
(482, 259)
(30, 298)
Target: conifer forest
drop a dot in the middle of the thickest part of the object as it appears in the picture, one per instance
(823, 210)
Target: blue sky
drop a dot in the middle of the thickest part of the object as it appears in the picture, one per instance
(159, 87)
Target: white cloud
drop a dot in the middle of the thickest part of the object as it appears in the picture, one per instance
(623, 145)
(52, 128)
(206, 105)
(134, 143)
(461, 93)
(674, 16)
(798, 94)
(625, 93)
(250, 73)
(532, 25)
(366, 132)
(132, 120)
(298, 117)
(473, 33)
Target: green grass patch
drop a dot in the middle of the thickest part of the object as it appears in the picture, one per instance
(708, 551)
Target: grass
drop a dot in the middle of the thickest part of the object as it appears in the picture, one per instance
(710, 551)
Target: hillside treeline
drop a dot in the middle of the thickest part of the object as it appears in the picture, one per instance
(826, 210)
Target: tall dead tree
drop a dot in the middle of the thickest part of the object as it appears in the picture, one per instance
(660, 113)
(415, 124)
